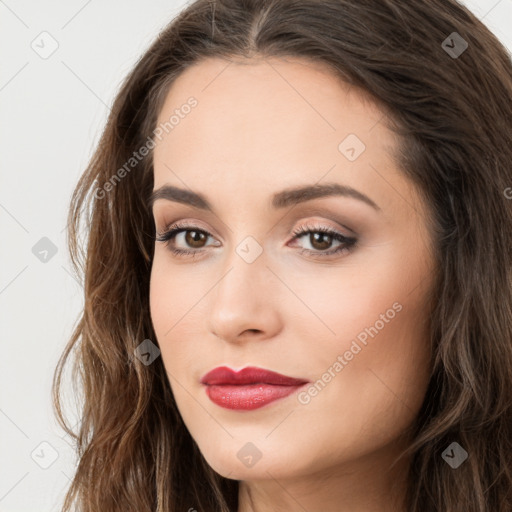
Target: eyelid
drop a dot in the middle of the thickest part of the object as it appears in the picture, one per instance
(178, 227)
(184, 224)
(316, 224)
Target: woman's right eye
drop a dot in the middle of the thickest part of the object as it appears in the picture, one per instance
(193, 237)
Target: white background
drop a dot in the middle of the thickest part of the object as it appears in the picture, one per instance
(52, 114)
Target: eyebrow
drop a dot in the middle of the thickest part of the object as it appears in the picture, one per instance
(281, 199)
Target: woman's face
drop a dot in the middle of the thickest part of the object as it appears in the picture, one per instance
(344, 312)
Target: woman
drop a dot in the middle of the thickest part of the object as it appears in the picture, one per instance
(298, 268)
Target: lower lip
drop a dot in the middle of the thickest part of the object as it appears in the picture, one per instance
(247, 397)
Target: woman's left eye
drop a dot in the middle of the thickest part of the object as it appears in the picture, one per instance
(320, 239)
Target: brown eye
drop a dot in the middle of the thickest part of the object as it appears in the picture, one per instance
(320, 241)
(184, 239)
(195, 239)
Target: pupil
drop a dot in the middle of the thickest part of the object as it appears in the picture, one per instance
(193, 239)
(317, 236)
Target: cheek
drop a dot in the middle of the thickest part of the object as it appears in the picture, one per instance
(162, 299)
(166, 301)
(377, 365)
(176, 297)
(376, 319)
(173, 293)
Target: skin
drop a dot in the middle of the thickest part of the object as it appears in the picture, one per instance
(261, 126)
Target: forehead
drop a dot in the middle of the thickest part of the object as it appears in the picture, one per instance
(268, 123)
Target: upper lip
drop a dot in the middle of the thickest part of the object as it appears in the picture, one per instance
(249, 375)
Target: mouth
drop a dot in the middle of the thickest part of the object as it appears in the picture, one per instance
(249, 388)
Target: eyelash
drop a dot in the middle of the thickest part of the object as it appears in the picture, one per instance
(348, 243)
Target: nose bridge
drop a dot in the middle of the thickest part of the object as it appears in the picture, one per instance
(242, 298)
(247, 272)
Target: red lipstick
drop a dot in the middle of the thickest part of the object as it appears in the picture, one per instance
(249, 388)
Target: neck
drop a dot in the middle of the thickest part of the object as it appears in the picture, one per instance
(366, 485)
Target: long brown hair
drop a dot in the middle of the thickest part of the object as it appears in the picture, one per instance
(452, 108)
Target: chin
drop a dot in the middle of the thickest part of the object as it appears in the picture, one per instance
(241, 460)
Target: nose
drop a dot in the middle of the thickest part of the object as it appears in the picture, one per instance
(244, 304)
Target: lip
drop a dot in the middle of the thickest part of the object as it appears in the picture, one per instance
(249, 388)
